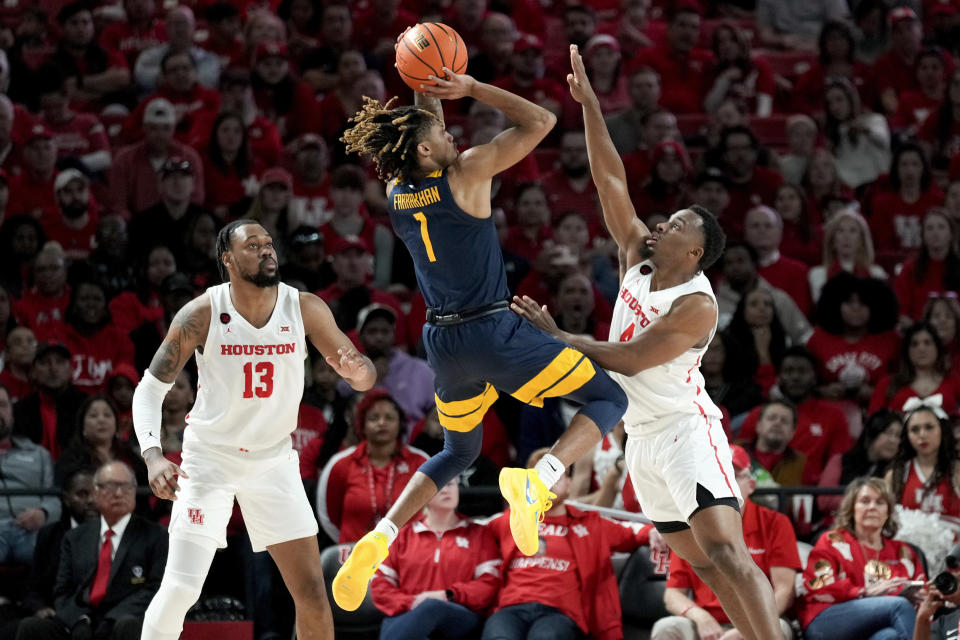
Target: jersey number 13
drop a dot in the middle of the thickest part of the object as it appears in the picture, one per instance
(263, 371)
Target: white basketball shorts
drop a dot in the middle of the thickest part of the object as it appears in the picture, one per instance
(667, 467)
(267, 487)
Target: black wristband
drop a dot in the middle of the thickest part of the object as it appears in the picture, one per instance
(450, 595)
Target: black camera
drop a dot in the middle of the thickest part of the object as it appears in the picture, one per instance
(945, 582)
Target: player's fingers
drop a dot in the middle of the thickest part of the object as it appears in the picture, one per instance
(333, 362)
(180, 472)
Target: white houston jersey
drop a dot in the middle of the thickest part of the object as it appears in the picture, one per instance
(672, 388)
(250, 380)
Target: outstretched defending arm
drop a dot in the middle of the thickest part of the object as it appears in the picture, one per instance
(322, 330)
(187, 332)
(686, 325)
(606, 167)
(531, 124)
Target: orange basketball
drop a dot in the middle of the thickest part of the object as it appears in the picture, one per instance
(425, 49)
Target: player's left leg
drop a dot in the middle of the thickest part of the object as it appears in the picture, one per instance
(299, 564)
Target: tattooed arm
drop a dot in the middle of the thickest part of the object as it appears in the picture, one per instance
(187, 332)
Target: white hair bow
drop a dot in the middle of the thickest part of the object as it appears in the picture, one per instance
(932, 403)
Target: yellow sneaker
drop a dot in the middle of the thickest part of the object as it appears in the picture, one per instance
(350, 584)
(529, 499)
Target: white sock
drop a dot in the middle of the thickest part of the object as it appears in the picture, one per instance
(550, 469)
(387, 528)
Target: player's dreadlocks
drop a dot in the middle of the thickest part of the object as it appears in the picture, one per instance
(389, 136)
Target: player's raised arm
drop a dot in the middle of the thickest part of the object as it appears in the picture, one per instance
(322, 330)
(686, 325)
(605, 165)
(531, 124)
(187, 332)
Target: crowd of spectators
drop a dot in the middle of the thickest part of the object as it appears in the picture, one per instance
(824, 134)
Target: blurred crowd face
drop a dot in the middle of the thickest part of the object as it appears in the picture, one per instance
(352, 267)
(180, 73)
(575, 296)
(21, 346)
(378, 336)
(738, 269)
(157, 136)
(670, 168)
(573, 154)
(177, 187)
(775, 427)
(886, 444)
(112, 236)
(273, 69)
(684, 31)
(203, 238)
(854, 313)
(758, 309)
(336, 27)
(714, 358)
(275, 197)
(53, 371)
(923, 432)
(798, 378)
(644, 89)
(115, 491)
(180, 397)
(660, 127)
(801, 138)
(572, 232)
(847, 239)
(937, 234)
(381, 424)
(822, 170)
(497, 36)
(230, 135)
(603, 60)
(788, 203)
(727, 47)
(90, 303)
(6, 415)
(910, 169)
(532, 209)
(714, 196)
(836, 46)
(740, 155)
(922, 351)
(78, 31)
(762, 229)
(943, 320)
(99, 423)
(74, 199)
(49, 273)
(578, 27)
(447, 498)
(301, 13)
(40, 155)
(870, 510)
(350, 67)
(160, 264)
(6, 120)
(906, 36)
(370, 84)
(78, 497)
(180, 26)
(528, 64)
(930, 72)
(139, 10)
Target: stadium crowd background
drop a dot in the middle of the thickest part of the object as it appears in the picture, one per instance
(825, 137)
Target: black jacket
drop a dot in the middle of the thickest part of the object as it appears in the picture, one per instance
(46, 561)
(135, 572)
(28, 423)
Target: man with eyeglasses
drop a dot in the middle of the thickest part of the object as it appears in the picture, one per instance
(110, 568)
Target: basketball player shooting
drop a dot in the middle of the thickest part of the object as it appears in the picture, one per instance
(664, 318)
(249, 336)
(439, 204)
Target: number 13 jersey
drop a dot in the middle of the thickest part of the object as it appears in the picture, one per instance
(658, 394)
(250, 380)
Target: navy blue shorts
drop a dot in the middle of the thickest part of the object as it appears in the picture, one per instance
(502, 352)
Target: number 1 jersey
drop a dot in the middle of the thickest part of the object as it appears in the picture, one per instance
(250, 380)
(658, 394)
(456, 256)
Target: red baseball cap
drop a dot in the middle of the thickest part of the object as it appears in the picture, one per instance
(277, 175)
(527, 41)
(344, 243)
(270, 50)
(39, 131)
(741, 459)
(900, 14)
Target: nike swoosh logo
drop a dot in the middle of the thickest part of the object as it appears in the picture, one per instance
(529, 499)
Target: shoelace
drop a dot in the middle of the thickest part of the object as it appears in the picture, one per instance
(546, 505)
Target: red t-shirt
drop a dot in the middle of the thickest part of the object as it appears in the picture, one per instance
(563, 197)
(17, 388)
(791, 276)
(874, 353)
(809, 88)
(519, 243)
(310, 204)
(35, 311)
(367, 233)
(224, 188)
(77, 244)
(822, 432)
(32, 196)
(95, 356)
(759, 79)
(892, 72)
(302, 116)
(369, 27)
(80, 135)
(540, 90)
(809, 251)
(913, 109)
(761, 189)
(895, 223)
(943, 500)
(120, 37)
(683, 78)
(949, 389)
(262, 136)
(912, 294)
(929, 133)
(771, 541)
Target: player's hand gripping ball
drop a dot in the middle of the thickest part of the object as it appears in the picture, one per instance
(425, 49)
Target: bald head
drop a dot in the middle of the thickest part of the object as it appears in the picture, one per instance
(763, 229)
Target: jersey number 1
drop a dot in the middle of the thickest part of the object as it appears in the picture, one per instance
(265, 387)
(425, 234)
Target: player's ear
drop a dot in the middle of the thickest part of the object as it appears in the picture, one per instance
(697, 253)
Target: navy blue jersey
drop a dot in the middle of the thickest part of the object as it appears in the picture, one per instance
(456, 256)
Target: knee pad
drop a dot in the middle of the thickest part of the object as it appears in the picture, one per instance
(603, 401)
(177, 593)
(460, 449)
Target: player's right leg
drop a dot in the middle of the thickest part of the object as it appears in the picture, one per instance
(198, 526)
(534, 366)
